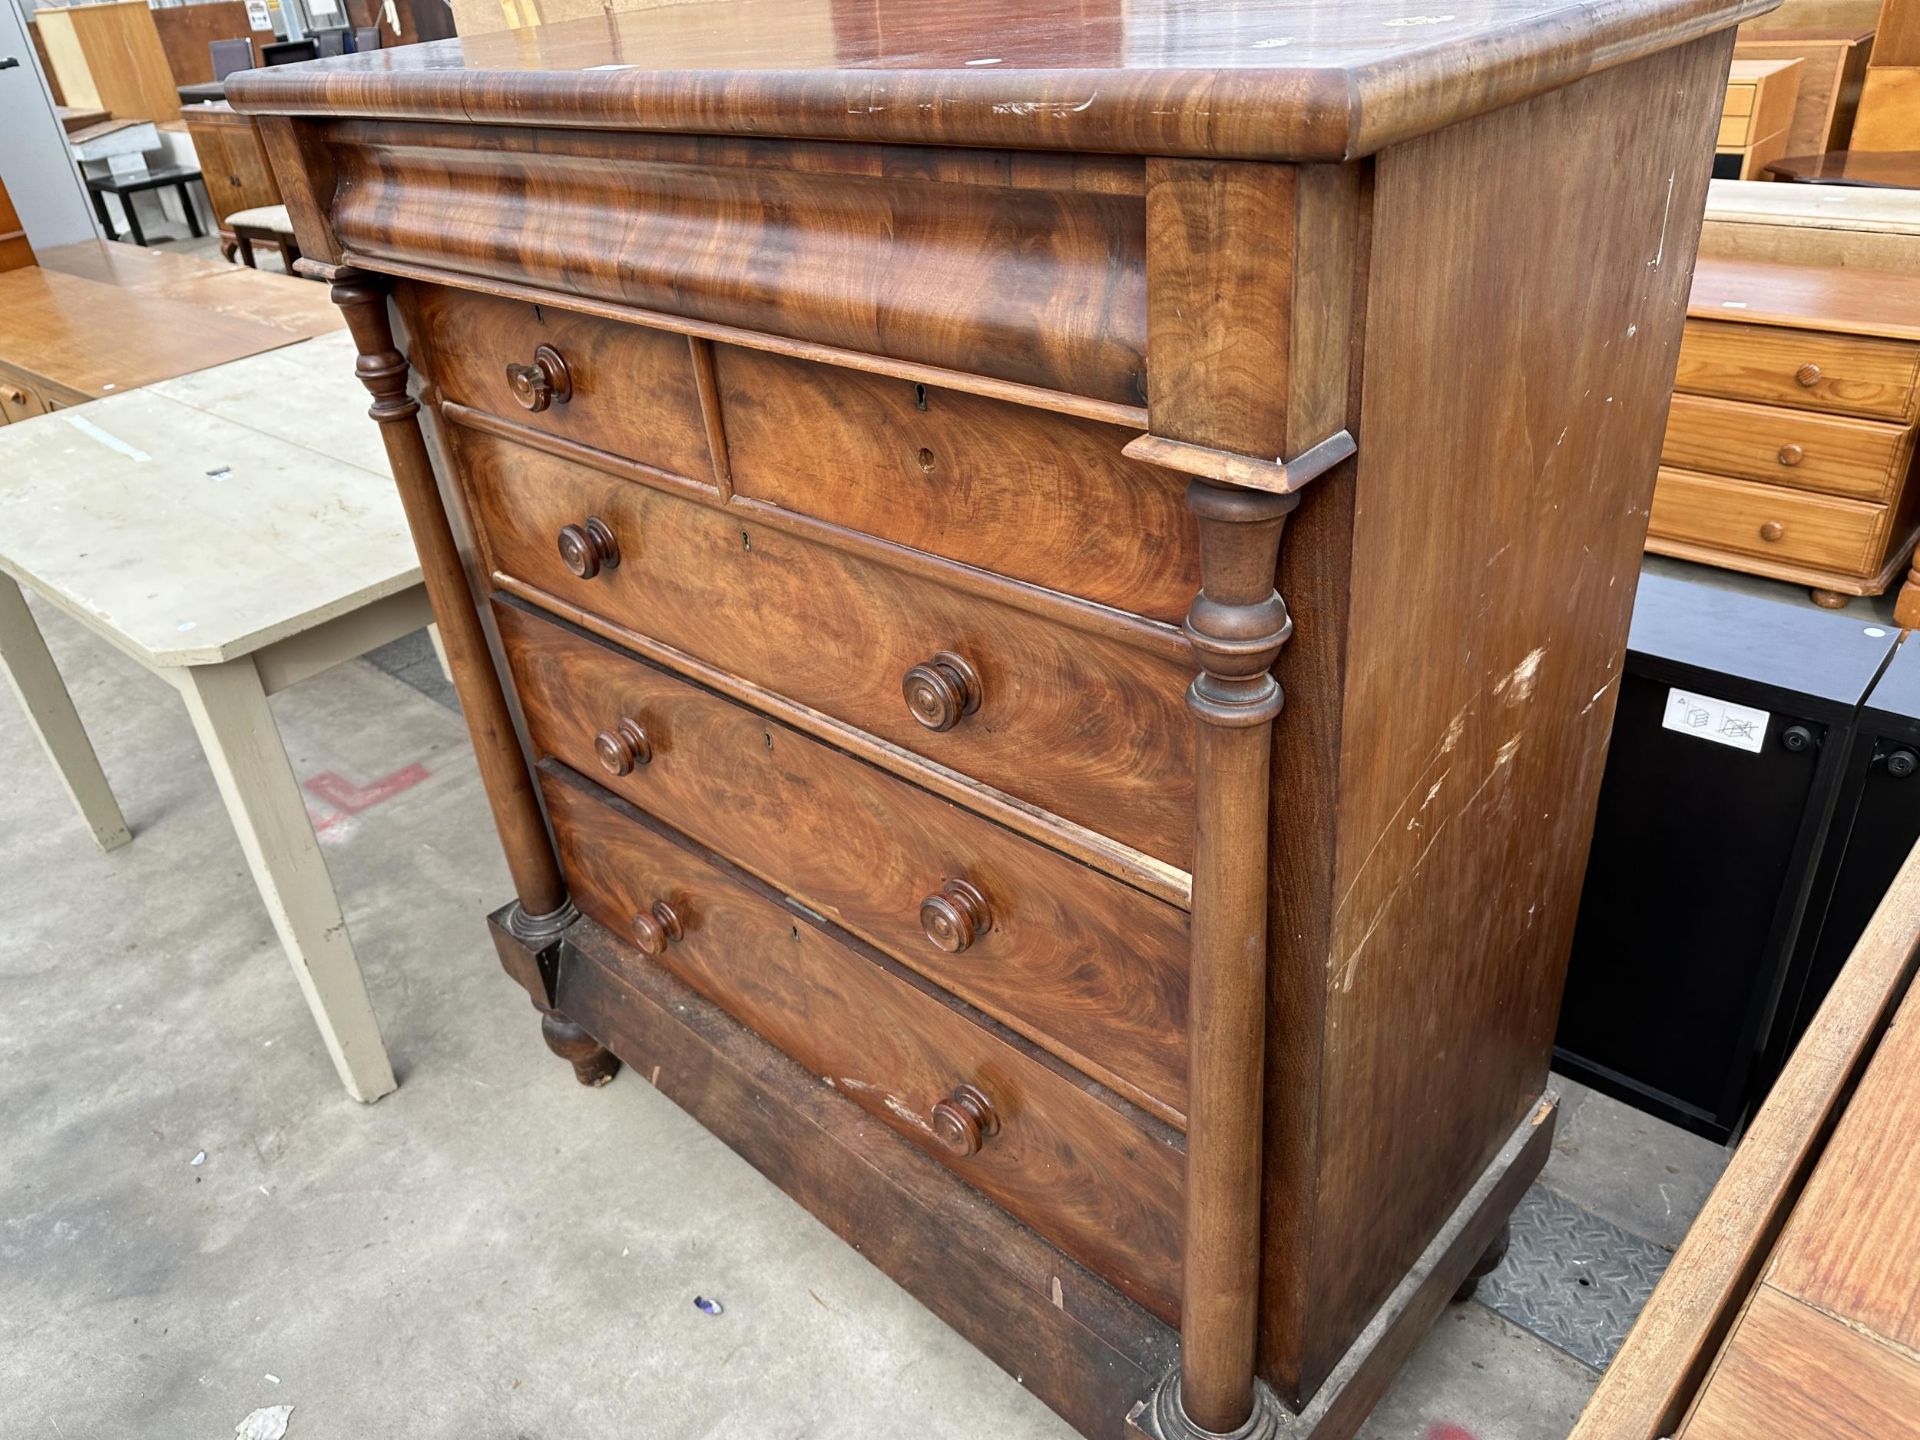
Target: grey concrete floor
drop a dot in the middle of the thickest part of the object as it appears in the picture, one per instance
(491, 1251)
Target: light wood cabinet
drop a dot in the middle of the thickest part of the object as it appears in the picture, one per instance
(1789, 449)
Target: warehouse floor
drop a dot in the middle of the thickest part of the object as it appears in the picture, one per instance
(196, 1223)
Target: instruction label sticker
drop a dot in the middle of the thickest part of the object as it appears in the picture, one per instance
(1721, 721)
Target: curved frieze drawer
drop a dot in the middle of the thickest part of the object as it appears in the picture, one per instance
(1030, 269)
(1085, 726)
(1076, 1165)
(1079, 963)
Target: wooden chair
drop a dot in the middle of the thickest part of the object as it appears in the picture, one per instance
(267, 224)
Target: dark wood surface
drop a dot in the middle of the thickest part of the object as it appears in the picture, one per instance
(187, 30)
(1036, 1312)
(1896, 169)
(1201, 80)
(1043, 498)
(1466, 790)
(1076, 961)
(618, 373)
(1093, 1176)
(1381, 890)
(1084, 727)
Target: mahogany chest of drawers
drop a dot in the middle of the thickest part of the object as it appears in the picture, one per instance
(858, 454)
(1790, 445)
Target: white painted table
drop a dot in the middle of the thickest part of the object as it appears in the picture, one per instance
(234, 531)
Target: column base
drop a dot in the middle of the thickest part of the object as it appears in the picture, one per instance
(1165, 1418)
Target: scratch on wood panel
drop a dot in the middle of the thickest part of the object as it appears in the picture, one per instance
(1517, 685)
(1660, 253)
(1350, 966)
(1059, 1296)
(904, 1113)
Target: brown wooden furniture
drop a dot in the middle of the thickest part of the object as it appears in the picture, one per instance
(109, 57)
(51, 323)
(1790, 445)
(881, 525)
(233, 162)
(1755, 116)
(1790, 1308)
(275, 301)
(1889, 117)
(186, 31)
(14, 249)
(1881, 169)
(1834, 63)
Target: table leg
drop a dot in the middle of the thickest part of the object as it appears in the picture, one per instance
(100, 209)
(23, 655)
(193, 215)
(236, 728)
(440, 653)
(133, 218)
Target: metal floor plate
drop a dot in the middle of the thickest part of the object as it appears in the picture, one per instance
(1571, 1278)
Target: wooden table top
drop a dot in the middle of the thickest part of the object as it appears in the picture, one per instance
(85, 339)
(203, 518)
(1813, 297)
(283, 302)
(1257, 79)
(1830, 1343)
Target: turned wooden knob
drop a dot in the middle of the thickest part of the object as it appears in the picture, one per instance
(1772, 531)
(1791, 454)
(540, 384)
(941, 690)
(964, 1122)
(954, 916)
(655, 929)
(623, 747)
(588, 549)
(1808, 375)
(18, 397)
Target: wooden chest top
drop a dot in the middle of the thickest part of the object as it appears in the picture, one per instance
(1279, 80)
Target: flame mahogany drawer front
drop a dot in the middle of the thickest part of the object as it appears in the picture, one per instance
(621, 388)
(1839, 374)
(1098, 1179)
(1076, 961)
(1044, 498)
(1085, 726)
(1831, 454)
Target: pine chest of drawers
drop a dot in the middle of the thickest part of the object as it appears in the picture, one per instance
(858, 454)
(1790, 446)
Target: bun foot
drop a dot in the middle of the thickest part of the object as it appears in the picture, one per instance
(1829, 599)
(592, 1063)
(1486, 1264)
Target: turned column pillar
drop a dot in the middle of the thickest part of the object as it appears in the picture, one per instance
(1238, 625)
(543, 909)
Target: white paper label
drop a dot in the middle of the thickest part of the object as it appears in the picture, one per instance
(1720, 721)
(257, 17)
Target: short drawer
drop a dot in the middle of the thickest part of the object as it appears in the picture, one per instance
(1097, 1178)
(1807, 369)
(1790, 526)
(1083, 725)
(1832, 454)
(1072, 959)
(1045, 498)
(619, 388)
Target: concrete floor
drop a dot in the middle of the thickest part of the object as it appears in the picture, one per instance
(491, 1251)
